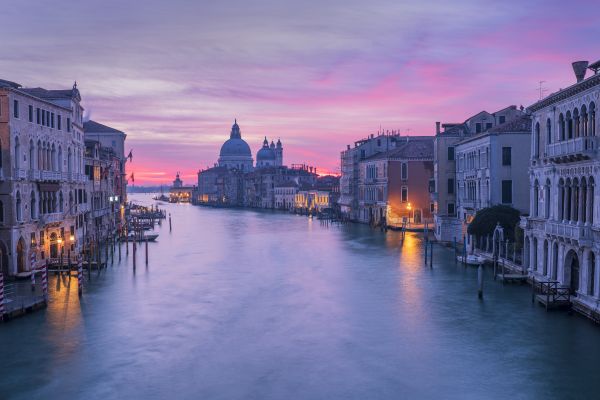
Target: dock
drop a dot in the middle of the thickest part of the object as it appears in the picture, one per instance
(550, 295)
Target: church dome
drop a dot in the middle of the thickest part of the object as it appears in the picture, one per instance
(235, 147)
(265, 153)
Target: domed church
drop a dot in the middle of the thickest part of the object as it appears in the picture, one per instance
(270, 155)
(235, 152)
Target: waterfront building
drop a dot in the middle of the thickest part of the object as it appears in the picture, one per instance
(179, 193)
(220, 186)
(285, 194)
(393, 186)
(562, 232)
(313, 200)
(349, 162)
(492, 169)
(41, 175)
(235, 152)
(444, 186)
(111, 138)
(103, 213)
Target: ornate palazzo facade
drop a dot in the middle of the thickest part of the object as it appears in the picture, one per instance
(562, 231)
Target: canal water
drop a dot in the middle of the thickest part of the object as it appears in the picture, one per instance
(240, 304)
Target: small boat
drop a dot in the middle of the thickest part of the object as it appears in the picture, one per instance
(150, 237)
(472, 259)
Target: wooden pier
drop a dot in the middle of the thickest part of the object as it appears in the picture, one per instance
(550, 295)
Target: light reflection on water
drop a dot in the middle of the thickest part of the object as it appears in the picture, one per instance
(239, 304)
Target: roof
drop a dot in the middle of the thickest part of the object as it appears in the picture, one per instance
(416, 147)
(96, 127)
(287, 184)
(565, 94)
(4, 83)
(521, 124)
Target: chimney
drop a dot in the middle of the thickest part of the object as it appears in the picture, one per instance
(348, 147)
(437, 128)
(580, 67)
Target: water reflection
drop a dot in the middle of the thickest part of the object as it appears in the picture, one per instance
(238, 304)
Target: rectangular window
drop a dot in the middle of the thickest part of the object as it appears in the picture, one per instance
(52, 120)
(30, 113)
(478, 127)
(404, 194)
(404, 171)
(488, 126)
(432, 207)
(16, 108)
(44, 117)
(451, 209)
(68, 124)
(38, 117)
(502, 119)
(450, 185)
(59, 122)
(41, 238)
(506, 155)
(507, 191)
(450, 153)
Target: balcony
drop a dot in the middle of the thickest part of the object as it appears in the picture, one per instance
(569, 231)
(83, 207)
(577, 149)
(34, 175)
(20, 173)
(50, 176)
(52, 218)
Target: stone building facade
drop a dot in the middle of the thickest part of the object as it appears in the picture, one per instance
(562, 232)
(42, 181)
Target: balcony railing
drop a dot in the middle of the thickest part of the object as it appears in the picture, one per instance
(50, 176)
(52, 217)
(566, 230)
(20, 173)
(581, 147)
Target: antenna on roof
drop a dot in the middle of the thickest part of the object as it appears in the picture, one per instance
(541, 89)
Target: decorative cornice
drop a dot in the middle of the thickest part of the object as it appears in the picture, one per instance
(589, 83)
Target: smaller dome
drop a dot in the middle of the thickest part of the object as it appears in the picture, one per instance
(265, 154)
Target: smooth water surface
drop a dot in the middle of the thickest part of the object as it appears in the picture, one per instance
(241, 304)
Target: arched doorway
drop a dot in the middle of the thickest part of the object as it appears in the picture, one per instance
(21, 255)
(572, 265)
(53, 246)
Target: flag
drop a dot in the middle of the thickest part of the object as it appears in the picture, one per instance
(130, 155)
(132, 178)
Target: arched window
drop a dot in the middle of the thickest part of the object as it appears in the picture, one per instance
(536, 141)
(61, 202)
(54, 208)
(547, 199)
(17, 152)
(569, 126)
(32, 205)
(576, 124)
(31, 155)
(60, 159)
(69, 160)
(548, 131)
(591, 206)
(53, 165)
(561, 127)
(536, 199)
(584, 121)
(561, 199)
(18, 207)
(40, 163)
(1, 212)
(592, 119)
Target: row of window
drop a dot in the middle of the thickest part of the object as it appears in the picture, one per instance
(42, 117)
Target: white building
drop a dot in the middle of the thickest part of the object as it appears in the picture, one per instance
(235, 152)
(492, 169)
(448, 225)
(285, 194)
(562, 232)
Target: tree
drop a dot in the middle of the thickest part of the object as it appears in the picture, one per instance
(485, 221)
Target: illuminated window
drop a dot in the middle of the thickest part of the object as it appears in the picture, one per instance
(404, 194)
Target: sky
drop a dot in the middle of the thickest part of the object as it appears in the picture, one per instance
(319, 75)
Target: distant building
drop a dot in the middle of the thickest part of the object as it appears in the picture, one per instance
(179, 193)
(448, 225)
(493, 169)
(393, 186)
(349, 162)
(270, 155)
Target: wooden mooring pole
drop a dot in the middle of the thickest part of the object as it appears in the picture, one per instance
(146, 251)
(480, 281)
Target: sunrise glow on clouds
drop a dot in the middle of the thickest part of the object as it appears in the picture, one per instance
(317, 74)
